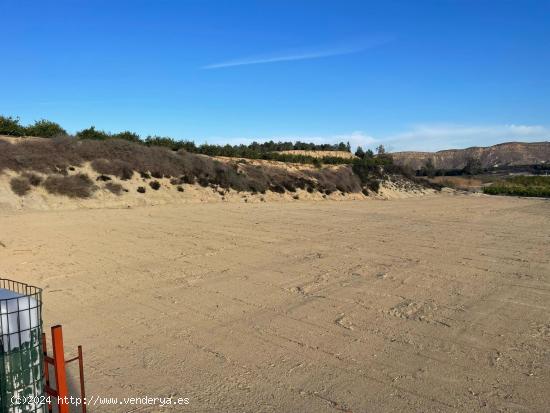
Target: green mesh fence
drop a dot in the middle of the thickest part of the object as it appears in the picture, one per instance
(21, 355)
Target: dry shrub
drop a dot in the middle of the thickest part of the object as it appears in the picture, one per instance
(188, 179)
(33, 178)
(20, 185)
(115, 167)
(342, 179)
(277, 188)
(45, 155)
(141, 189)
(73, 186)
(114, 188)
(155, 185)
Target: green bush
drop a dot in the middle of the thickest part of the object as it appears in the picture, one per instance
(367, 167)
(45, 129)
(92, 133)
(99, 135)
(127, 136)
(521, 186)
(11, 126)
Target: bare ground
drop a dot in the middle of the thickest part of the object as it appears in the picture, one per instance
(430, 304)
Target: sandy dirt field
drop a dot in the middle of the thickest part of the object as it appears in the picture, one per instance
(431, 304)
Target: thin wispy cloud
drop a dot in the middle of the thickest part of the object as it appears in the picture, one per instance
(288, 56)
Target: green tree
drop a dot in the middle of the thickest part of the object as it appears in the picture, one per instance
(428, 169)
(360, 153)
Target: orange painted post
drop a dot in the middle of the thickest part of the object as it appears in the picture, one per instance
(59, 367)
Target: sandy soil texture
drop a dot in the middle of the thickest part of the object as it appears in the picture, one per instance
(431, 304)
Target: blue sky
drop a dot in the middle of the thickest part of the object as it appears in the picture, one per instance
(413, 75)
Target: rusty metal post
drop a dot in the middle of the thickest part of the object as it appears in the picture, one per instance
(46, 368)
(81, 369)
(59, 367)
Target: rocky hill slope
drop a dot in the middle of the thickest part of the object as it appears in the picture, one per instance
(504, 154)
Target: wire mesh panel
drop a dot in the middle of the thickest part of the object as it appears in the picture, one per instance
(21, 356)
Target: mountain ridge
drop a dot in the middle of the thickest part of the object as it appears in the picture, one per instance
(501, 154)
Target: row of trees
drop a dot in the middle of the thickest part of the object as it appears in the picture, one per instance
(255, 150)
(360, 153)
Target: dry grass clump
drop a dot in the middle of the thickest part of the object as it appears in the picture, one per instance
(73, 186)
(458, 182)
(20, 185)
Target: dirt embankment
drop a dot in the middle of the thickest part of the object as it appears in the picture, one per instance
(40, 173)
(130, 195)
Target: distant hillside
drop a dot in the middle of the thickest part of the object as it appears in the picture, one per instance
(503, 154)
